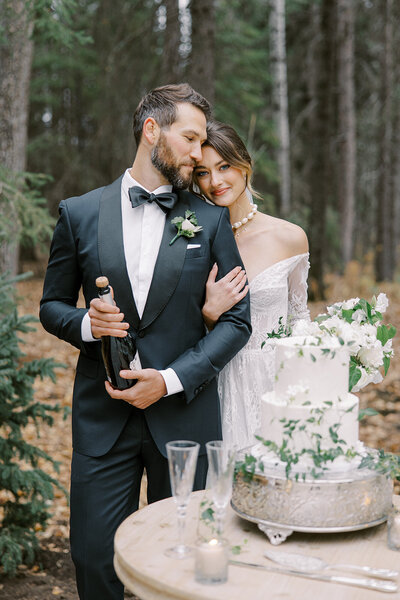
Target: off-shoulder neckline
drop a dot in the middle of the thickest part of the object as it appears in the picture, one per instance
(279, 262)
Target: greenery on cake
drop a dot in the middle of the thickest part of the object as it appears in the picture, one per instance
(321, 458)
(358, 325)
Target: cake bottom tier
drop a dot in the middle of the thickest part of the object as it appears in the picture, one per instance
(352, 500)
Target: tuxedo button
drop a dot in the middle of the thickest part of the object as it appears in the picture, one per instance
(141, 334)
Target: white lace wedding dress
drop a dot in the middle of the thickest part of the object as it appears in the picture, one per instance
(278, 291)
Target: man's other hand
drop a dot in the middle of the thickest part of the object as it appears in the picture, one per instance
(149, 388)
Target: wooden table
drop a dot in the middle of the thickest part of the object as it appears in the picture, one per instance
(140, 563)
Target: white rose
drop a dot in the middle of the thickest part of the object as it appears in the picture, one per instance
(369, 330)
(377, 377)
(358, 315)
(346, 332)
(188, 226)
(333, 323)
(350, 303)
(372, 356)
(303, 327)
(364, 380)
(360, 337)
(334, 308)
(388, 346)
(382, 303)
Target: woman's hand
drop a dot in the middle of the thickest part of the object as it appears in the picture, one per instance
(223, 294)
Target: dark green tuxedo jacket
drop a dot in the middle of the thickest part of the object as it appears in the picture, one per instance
(87, 243)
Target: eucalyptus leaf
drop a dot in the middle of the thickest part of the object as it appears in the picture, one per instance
(367, 412)
(354, 375)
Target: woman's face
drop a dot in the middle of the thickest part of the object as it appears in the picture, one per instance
(217, 179)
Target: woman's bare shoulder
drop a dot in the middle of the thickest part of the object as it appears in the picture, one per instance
(290, 235)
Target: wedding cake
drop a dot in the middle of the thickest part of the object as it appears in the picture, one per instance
(310, 407)
(305, 473)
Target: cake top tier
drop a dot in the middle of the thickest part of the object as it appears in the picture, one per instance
(308, 371)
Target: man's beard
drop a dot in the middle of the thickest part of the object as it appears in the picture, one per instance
(164, 161)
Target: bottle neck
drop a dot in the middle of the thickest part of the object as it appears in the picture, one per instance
(105, 295)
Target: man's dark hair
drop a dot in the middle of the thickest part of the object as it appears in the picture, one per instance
(161, 103)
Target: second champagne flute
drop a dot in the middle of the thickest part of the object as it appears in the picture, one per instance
(221, 462)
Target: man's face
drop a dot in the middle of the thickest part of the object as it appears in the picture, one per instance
(179, 146)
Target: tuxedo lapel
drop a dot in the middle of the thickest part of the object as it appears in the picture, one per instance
(111, 250)
(168, 267)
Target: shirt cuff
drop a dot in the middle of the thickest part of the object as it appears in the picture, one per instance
(172, 381)
(86, 330)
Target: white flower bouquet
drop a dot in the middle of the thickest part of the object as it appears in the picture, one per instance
(358, 325)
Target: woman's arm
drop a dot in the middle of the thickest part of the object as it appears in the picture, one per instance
(223, 294)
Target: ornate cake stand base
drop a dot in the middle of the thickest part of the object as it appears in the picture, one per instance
(275, 536)
(332, 503)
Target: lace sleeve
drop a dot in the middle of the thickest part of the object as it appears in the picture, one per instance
(297, 284)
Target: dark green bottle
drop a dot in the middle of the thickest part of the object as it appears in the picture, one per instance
(118, 353)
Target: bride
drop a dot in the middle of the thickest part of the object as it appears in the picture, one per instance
(275, 257)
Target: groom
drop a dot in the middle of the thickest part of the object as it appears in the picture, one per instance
(123, 231)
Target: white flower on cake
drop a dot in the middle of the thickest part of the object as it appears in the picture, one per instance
(348, 304)
(306, 328)
(358, 316)
(295, 390)
(382, 303)
(357, 324)
(372, 356)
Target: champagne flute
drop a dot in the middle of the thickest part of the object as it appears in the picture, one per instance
(182, 460)
(221, 462)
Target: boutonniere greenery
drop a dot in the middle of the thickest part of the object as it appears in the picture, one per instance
(186, 226)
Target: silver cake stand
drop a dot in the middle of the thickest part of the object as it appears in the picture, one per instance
(335, 502)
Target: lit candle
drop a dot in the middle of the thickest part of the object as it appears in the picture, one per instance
(393, 528)
(211, 563)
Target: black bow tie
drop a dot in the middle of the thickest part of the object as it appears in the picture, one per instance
(139, 196)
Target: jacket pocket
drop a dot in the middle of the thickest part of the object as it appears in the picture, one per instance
(195, 252)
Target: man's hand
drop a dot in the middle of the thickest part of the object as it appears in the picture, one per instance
(106, 319)
(148, 390)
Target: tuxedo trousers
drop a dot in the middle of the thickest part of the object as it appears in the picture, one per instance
(104, 491)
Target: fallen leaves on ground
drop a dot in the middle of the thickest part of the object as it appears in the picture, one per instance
(380, 431)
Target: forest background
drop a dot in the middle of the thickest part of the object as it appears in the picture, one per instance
(313, 88)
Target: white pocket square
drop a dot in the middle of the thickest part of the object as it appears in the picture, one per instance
(190, 246)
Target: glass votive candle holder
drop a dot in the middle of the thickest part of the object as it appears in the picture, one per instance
(393, 528)
(211, 561)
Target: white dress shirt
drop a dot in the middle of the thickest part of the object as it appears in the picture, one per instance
(142, 229)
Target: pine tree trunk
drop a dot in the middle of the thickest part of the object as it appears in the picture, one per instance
(346, 124)
(15, 68)
(171, 59)
(280, 98)
(202, 69)
(321, 136)
(384, 258)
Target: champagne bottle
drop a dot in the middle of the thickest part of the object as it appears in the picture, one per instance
(118, 353)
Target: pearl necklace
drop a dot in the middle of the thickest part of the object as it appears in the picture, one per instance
(246, 219)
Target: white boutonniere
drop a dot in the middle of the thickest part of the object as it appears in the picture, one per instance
(186, 226)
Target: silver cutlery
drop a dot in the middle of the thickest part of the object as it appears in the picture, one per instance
(312, 563)
(363, 582)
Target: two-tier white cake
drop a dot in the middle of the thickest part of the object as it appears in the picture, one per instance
(310, 407)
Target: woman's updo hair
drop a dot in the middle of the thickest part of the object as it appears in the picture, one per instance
(229, 145)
